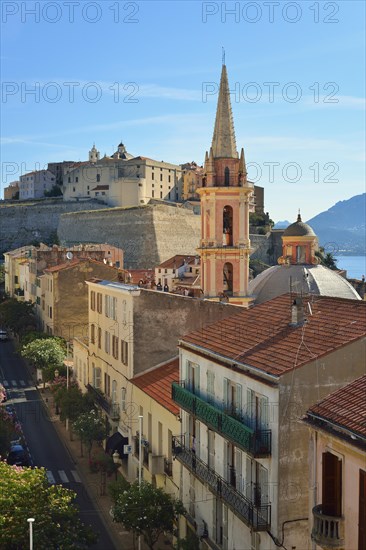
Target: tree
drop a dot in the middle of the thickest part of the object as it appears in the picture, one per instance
(90, 427)
(326, 258)
(17, 316)
(44, 354)
(25, 492)
(148, 511)
(55, 191)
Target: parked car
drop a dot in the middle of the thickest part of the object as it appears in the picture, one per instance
(3, 335)
(18, 456)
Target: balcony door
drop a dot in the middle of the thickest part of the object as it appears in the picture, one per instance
(193, 377)
(331, 485)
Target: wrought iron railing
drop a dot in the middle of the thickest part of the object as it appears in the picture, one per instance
(112, 409)
(255, 442)
(328, 531)
(258, 517)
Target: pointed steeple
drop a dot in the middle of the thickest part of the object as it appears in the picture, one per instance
(223, 141)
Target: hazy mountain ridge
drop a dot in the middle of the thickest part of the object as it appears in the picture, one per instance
(342, 228)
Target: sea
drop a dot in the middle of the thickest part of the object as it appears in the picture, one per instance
(355, 265)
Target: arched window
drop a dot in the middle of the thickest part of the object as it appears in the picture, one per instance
(227, 226)
(228, 278)
(227, 177)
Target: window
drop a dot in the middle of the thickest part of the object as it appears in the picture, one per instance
(76, 179)
(210, 386)
(107, 384)
(110, 307)
(161, 194)
(97, 377)
(193, 377)
(331, 485)
(169, 178)
(98, 178)
(123, 399)
(69, 180)
(233, 397)
(99, 338)
(124, 352)
(161, 177)
(92, 333)
(152, 176)
(50, 312)
(99, 303)
(92, 300)
(114, 391)
(107, 342)
(115, 347)
(74, 189)
(16, 279)
(227, 177)
(152, 193)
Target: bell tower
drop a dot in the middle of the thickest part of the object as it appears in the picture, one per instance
(225, 196)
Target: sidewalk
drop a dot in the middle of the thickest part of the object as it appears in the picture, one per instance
(91, 482)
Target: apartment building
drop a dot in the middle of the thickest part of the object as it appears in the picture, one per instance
(34, 184)
(337, 465)
(246, 382)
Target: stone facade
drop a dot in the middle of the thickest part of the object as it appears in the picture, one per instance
(148, 235)
(22, 224)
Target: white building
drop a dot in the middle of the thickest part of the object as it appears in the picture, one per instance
(123, 180)
(34, 184)
(246, 382)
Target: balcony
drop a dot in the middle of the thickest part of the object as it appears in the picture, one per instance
(328, 531)
(256, 517)
(255, 442)
(112, 409)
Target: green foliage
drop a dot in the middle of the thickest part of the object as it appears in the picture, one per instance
(115, 488)
(25, 492)
(2, 274)
(89, 426)
(191, 542)
(256, 219)
(9, 430)
(147, 511)
(73, 403)
(44, 354)
(326, 258)
(102, 462)
(32, 335)
(55, 191)
(17, 316)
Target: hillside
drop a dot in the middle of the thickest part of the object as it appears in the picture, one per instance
(342, 228)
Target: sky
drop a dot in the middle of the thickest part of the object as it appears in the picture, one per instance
(147, 73)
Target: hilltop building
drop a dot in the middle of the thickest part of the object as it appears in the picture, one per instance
(299, 270)
(34, 184)
(12, 190)
(123, 179)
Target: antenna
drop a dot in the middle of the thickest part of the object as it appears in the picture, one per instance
(69, 255)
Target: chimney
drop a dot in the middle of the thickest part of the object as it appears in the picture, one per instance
(297, 313)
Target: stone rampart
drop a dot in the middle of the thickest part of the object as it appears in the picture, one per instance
(28, 222)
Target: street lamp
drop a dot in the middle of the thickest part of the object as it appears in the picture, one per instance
(140, 472)
(117, 460)
(30, 521)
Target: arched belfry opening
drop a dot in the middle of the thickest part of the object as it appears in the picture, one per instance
(228, 278)
(227, 224)
(227, 177)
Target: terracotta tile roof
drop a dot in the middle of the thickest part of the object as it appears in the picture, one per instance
(177, 261)
(345, 407)
(157, 384)
(101, 188)
(65, 265)
(141, 274)
(262, 337)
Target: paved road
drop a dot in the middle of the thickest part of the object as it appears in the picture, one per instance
(45, 446)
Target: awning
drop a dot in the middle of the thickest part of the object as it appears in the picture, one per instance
(116, 442)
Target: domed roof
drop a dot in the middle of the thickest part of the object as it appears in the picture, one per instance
(299, 229)
(309, 279)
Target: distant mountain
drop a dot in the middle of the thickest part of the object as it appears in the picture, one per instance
(342, 228)
(281, 225)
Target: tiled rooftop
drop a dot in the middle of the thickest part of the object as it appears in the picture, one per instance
(157, 384)
(178, 261)
(345, 407)
(262, 337)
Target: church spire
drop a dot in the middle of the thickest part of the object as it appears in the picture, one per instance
(223, 141)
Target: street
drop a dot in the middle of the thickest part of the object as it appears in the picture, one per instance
(44, 445)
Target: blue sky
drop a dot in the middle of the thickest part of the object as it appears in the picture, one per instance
(147, 73)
